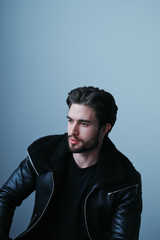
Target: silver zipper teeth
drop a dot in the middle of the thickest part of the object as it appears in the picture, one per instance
(32, 164)
(110, 193)
(40, 216)
(85, 217)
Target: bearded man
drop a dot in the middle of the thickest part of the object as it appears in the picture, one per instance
(85, 188)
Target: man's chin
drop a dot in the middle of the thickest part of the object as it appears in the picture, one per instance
(78, 150)
(74, 150)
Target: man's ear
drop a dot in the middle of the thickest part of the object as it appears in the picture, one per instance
(105, 129)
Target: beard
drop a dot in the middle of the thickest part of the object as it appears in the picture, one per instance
(85, 145)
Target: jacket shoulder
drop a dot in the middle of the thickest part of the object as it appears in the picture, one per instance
(132, 174)
(42, 151)
(45, 141)
(116, 167)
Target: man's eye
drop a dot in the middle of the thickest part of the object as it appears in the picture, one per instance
(84, 124)
(70, 120)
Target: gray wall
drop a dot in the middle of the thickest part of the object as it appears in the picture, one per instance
(49, 47)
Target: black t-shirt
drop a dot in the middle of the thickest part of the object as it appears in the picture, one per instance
(66, 216)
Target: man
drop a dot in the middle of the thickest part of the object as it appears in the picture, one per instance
(85, 188)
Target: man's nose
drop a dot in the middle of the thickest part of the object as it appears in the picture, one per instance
(74, 129)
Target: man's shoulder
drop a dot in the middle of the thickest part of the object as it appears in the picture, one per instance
(133, 175)
(46, 142)
(42, 150)
(121, 157)
(121, 163)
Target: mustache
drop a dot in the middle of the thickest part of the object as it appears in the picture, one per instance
(72, 136)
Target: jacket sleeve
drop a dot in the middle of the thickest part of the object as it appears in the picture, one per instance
(19, 186)
(127, 215)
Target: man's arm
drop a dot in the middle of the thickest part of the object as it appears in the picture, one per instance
(19, 186)
(127, 216)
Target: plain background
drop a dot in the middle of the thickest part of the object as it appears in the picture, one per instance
(48, 48)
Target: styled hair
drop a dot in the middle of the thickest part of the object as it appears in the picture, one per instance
(101, 101)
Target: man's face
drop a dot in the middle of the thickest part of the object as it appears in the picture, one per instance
(83, 128)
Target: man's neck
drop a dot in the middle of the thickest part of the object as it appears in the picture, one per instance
(88, 158)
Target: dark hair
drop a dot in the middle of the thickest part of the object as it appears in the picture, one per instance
(101, 101)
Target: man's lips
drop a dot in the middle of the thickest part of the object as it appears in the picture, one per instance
(73, 140)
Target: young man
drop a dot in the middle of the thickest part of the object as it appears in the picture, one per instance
(85, 188)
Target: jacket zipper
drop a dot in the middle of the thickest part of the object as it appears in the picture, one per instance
(32, 164)
(85, 215)
(21, 235)
(122, 189)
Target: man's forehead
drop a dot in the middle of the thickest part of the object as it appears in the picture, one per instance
(80, 111)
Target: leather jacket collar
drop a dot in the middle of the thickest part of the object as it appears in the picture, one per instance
(114, 168)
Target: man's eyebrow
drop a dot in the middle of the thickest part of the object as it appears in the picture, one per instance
(80, 120)
(84, 120)
(69, 118)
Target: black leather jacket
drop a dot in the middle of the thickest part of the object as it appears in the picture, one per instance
(112, 207)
